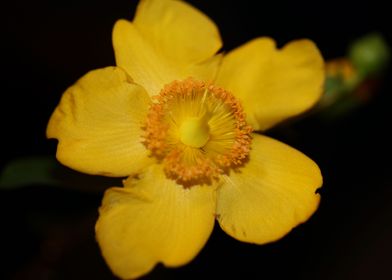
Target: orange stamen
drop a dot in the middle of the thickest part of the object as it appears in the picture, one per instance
(229, 140)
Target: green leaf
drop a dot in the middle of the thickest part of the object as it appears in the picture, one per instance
(47, 171)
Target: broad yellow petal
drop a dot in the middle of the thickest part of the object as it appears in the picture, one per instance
(274, 192)
(273, 84)
(98, 124)
(178, 30)
(168, 40)
(153, 220)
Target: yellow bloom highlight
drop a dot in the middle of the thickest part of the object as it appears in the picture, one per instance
(177, 118)
(194, 132)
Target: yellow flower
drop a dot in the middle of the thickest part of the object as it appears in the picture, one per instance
(177, 119)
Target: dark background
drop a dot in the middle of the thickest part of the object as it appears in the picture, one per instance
(47, 233)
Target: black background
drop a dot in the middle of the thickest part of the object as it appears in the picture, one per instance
(47, 233)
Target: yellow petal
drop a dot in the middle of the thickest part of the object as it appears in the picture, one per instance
(98, 124)
(270, 195)
(178, 30)
(273, 84)
(153, 220)
(169, 40)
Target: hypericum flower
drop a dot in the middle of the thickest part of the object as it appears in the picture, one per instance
(177, 119)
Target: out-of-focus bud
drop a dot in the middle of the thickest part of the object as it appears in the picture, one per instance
(370, 54)
(341, 80)
(353, 80)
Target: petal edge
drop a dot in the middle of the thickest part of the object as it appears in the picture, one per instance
(273, 84)
(153, 220)
(98, 124)
(269, 196)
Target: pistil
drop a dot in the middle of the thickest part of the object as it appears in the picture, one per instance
(195, 132)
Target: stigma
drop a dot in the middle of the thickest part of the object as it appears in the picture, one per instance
(197, 131)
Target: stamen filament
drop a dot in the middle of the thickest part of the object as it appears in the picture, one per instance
(198, 131)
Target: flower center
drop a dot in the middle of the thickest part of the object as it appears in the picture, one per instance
(194, 132)
(198, 131)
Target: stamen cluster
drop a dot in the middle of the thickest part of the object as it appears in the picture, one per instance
(229, 138)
